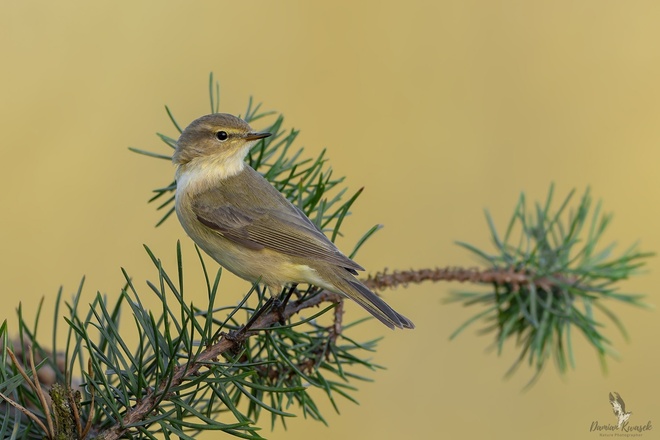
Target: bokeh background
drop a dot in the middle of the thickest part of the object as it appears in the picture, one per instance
(440, 109)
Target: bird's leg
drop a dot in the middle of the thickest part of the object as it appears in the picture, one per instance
(288, 294)
(259, 312)
(238, 336)
(280, 306)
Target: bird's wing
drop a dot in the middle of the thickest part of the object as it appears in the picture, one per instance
(622, 404)
(265, 219)
(616, 405)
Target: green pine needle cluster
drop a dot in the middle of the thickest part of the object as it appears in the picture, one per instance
(553, 278)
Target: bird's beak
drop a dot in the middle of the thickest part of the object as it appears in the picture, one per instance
(255, 136)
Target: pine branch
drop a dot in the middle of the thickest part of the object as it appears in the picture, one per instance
(268, 317)
(197, 369)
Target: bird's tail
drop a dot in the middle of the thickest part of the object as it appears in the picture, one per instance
(351, 287)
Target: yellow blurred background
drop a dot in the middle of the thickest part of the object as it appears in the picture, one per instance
(440, 109)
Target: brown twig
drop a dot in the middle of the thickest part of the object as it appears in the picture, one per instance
(90, 416)
(50, 431)
(42, 397)
(516, 278)
(27, 412)
(338, 320)
(74, 409)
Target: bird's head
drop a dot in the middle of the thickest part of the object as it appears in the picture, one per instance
(219, 137)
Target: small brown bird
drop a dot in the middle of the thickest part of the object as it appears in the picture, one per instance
(238, 218)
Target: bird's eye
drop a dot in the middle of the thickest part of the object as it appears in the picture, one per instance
(222, 135)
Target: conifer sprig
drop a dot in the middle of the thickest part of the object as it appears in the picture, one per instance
(551, 276)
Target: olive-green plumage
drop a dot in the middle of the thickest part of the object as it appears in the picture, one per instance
(246, 225)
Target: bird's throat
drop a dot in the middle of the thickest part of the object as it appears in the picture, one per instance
(204, 173)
